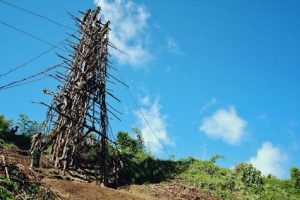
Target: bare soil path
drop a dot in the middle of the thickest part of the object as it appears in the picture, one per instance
(70, 190)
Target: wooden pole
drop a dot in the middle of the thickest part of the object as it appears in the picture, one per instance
(75, 105)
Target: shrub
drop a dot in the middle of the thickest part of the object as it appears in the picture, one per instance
(92, 154)
(18, 184)
(7, 136)
(9, 146)
(295, 177)
(5, 194)
(214, 158)
(250, 176)
(4, 126)
(27, 126)
(207, 176)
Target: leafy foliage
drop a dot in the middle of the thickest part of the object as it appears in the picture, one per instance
(295, 177)
(9, 146)
(206, 175)
(27, 126)
(12, 140)
(10, 188)
(214, 158)
(244, 182)
(250, 176)
(127, 144)
(7, 187)
(5, 194)
(139, 138)
(4, 126)
(139, 166)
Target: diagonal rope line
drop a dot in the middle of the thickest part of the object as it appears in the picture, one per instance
(30, 35)
(29, 77)
(56, 46)
(52, 21)
(25, 83)
(32, 59)
(143, 115)
(36, 14)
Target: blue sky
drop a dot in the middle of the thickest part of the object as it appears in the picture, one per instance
(211, 77)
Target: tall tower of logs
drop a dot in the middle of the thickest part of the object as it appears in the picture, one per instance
(80, 107)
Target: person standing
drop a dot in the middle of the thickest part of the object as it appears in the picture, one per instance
(35, 151)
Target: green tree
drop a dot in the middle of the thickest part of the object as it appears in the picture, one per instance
(295, 177)
(129, 144)
(4, 126)
(126, 143)
(214, 158)
(139, 138)
(27, 126)
(250, 176)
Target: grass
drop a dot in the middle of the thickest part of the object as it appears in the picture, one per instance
(12, 188)
(9, 146)
(243, 184)
(140, 167)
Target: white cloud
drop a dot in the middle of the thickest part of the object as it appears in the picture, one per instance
(172, 46)
(145, 101)
(157, 122)
(262, 117)
(224, 124)
(269, 160)
(208, 104)
(128, 30)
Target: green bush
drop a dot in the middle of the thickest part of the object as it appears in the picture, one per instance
(92, 154)
(207, 176)
(9, 146)
(7, 188)
(4, 126)
(5, 194)
(250, 176)
(214, 158)
(22, 141)
(18, 184)
(279, 189)
(244, 183)
(139, 166)
(27, 126)
(295, 177)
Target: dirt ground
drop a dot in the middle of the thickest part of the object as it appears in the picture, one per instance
(75, 190)
(174, 190)
(79, 191)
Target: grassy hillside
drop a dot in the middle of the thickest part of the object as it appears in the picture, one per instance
(244, 182)
(140, 167)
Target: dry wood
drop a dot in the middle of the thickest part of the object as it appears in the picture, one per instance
(80, 108)
(5, 167)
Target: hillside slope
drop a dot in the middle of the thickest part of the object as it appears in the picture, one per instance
(184, 179)
(46, 183)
